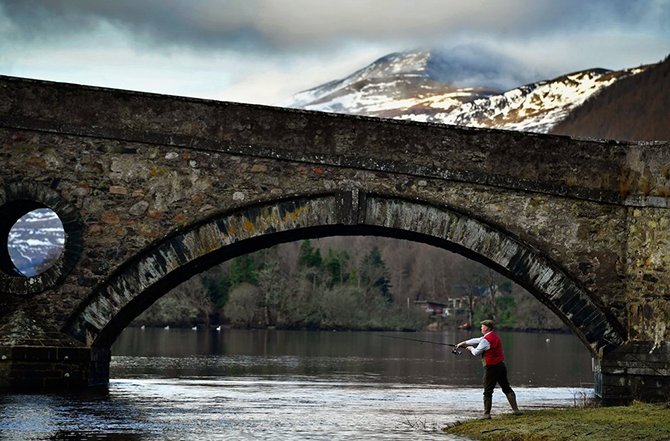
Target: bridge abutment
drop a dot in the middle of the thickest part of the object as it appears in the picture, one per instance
(35, 357)
(638, 370)
(27, 368)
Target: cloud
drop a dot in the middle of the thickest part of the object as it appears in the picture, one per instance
(264, 50)
(475, 65)
(308, 25)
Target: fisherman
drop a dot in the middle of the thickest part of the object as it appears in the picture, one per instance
(494, 367)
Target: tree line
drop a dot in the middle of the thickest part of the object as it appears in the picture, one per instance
(347, 285)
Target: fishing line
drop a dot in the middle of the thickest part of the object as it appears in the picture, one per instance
(455, 351)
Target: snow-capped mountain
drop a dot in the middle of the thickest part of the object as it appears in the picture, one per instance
(418, 85)
(35, 240)
(408, 83)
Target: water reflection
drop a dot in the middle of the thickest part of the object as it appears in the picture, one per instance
(345, 356)
(203, 385)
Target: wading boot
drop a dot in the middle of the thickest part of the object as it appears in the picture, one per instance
(487, 408)
(511, 397)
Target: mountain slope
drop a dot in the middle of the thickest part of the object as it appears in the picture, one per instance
(408, 83)
(422, 86)
(635, 109)
(535, 107)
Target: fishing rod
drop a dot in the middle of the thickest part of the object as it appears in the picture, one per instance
(455, 351)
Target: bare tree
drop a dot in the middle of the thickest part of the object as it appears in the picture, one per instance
(242, 307)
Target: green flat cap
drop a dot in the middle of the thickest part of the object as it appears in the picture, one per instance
(487, 323)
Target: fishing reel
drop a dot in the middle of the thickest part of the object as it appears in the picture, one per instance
(456, 351)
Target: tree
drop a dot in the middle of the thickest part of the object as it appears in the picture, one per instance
(186, 305)
(242, 269)
(273, 283)
(530, 313)
(374, 275)
(339, 308)
(308, 256)
(479, 285)
(334, 264)
(217, 284)
(243, 306)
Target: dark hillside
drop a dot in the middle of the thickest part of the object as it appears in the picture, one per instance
(634, 109)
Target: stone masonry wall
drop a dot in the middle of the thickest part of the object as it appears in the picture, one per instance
(142, 167)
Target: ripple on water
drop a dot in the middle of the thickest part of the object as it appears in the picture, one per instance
(254, 408)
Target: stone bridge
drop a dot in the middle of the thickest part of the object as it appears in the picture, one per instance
(152, 189)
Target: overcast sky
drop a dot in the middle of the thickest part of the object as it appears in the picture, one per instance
(263, 51)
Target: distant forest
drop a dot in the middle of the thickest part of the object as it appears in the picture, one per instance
(352, 283)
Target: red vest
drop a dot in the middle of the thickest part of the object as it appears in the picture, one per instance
(494, 354)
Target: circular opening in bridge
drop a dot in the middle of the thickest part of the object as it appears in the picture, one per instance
(35, 242)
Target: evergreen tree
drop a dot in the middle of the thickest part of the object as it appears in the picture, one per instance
(243, 269)
(308, 256)
(218, 288)
(333, 267)
(374, 274)
(334, 264)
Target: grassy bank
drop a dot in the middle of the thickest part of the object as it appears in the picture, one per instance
(638, 421)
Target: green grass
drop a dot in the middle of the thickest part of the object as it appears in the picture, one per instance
(635, 422)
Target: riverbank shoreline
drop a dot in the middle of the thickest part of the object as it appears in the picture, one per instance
(637, 421)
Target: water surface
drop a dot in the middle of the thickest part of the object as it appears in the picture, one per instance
(238, 384)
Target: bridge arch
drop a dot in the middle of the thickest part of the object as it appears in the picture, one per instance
(143, 279)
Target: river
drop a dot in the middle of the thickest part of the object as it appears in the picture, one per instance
(296, 385)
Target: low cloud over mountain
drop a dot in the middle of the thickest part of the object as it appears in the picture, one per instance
(471, 88)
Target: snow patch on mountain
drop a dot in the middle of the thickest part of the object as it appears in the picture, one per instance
(426, 86)
(386, 67)
(412, 83)
(536, 107)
